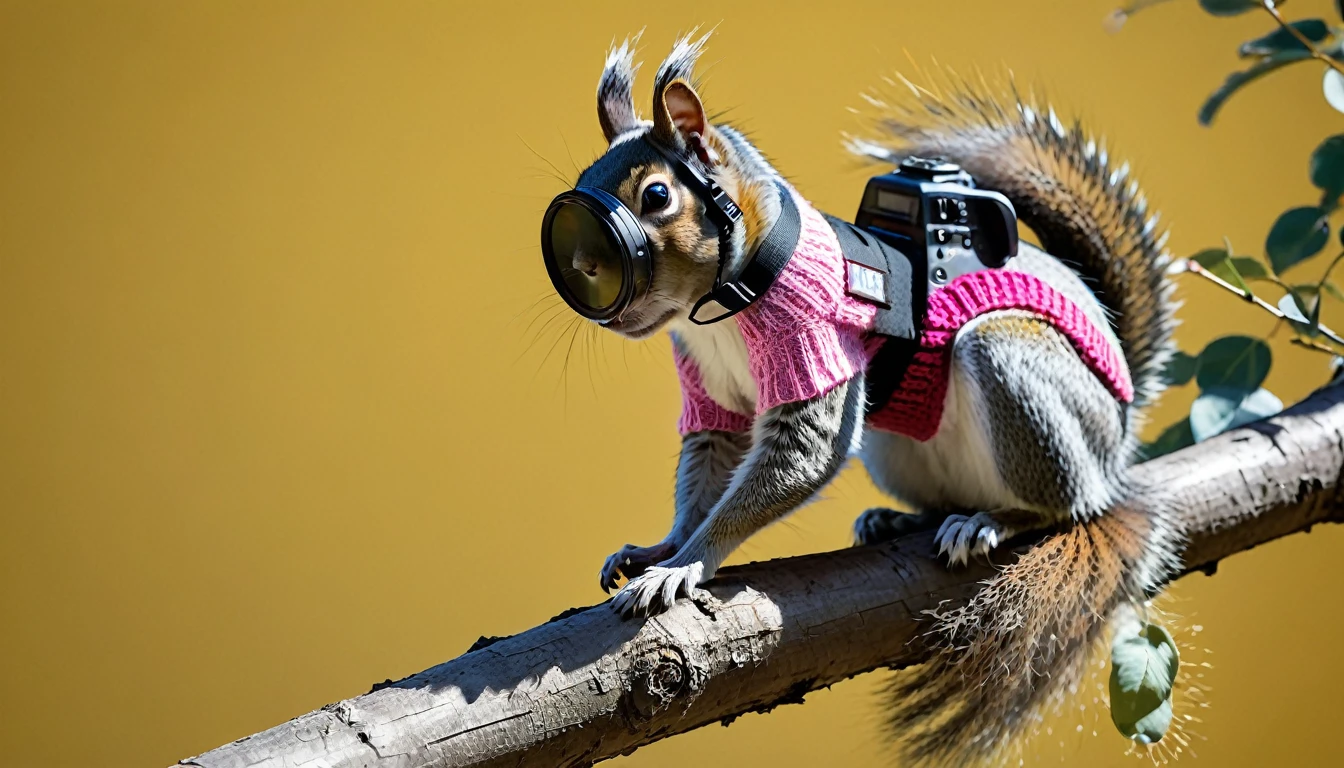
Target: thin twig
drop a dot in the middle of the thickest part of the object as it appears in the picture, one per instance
(1321, 283)
(1195, 267)
(1316, 345)
(1301, 38)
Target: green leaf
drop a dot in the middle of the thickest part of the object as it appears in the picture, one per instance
(1144, 666)
(1216, 260)
(1237, 80)
(1332, 289)
(1327, 168)
(1251, 269)
(1180, 369)
(1234, 362)
(1173, 438)
(1210, 257)
(1218, 410)
(1229, 7)
(1297, 235)
(1281, 39)
(1308, 300)
(1333, 87)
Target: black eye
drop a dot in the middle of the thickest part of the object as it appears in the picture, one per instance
(655, 197)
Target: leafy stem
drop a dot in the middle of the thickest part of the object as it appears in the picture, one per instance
(1316, 53)
(1335, 262)
(1195, 267)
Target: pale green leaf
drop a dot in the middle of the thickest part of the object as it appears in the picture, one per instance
(1218, 410)
(1144, 666)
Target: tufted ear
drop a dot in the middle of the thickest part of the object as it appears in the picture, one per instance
(678, 114)
(615, 99)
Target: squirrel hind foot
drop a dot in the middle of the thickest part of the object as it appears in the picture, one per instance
(880, 525)
(962, 537)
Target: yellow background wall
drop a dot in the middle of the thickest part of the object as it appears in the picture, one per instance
(277, 415)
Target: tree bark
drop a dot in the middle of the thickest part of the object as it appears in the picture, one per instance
(587, 686)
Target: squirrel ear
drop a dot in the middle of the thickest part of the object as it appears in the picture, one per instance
(687, 115)
(684, 109)
(678, 115)
(615, 100)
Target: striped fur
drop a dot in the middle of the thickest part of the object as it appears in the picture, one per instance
(615, 91)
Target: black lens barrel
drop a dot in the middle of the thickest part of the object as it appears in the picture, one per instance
(622, 241)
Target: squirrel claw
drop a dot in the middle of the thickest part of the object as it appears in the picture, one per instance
(655, 590)
(961, 537)
(630, 561)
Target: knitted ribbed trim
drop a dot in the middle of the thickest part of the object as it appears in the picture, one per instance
(916, 408)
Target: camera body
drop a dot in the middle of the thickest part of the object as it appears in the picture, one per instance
(931, 211)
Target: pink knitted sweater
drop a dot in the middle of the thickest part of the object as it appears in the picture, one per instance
(806, 335)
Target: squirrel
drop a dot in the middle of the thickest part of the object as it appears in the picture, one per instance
(1030, 438)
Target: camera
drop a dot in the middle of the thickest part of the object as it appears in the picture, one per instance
(931, 211)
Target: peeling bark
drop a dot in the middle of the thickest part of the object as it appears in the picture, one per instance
(587, 686)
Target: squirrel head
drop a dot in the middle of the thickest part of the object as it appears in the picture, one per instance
(684, 241)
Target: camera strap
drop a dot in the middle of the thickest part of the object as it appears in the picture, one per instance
(879, 274)
(728, 297)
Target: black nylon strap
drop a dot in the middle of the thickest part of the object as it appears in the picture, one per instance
(761, 271)
(900, 321)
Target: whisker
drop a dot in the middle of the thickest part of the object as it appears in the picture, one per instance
(587, 352)
(577, 170)
(564, 367)
(559, 173)
(559, 337)
(549, 312)
(540, 298)
(545, 174)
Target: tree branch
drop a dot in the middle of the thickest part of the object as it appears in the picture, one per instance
(587, 686)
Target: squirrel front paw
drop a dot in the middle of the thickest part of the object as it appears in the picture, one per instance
(630, 561)
(654, 591)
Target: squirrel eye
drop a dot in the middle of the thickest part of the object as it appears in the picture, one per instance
(655, 197)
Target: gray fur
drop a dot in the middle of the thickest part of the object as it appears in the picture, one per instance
(796, 449)
(1057, 431)
(1058, 441)
(704, 470)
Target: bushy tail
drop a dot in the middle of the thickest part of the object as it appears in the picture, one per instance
(1020, 645)
(1083, 208)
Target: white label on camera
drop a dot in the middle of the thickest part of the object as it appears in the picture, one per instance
(866, 282)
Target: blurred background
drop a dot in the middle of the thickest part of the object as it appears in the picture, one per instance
(286, 407)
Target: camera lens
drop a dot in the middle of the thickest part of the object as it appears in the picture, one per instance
(587, 255)
(596, 252)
